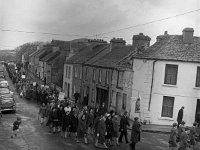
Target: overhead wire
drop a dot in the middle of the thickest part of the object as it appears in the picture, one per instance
(150, 22)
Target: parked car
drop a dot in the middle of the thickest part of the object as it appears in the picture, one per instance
(7, 104)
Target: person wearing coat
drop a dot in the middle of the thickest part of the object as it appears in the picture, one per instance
(42, 113)
(193, 134)
(123, 127)
(82, 129)
(74, 123)
(115, 129)
(180, 116)
(183, 140)
(109, 128)
(66, 123)
(101, 132)
(172, 138)
(135, 134)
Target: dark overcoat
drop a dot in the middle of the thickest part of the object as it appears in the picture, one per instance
(180, 116)
(135, 134)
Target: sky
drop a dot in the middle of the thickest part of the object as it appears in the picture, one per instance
(91, 18)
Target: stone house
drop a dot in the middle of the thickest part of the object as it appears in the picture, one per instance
(167, 76)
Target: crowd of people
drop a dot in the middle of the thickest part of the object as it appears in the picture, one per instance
(182, 137)
(83, 123)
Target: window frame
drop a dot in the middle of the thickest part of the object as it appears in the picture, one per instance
(172, 107)
(167, 74)
(107, 77)
(197, 83)
(100, 76)
(66, 71)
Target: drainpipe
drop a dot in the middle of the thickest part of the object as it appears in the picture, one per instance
(151, 85)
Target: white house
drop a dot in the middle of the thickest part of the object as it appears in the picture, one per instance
(167, 77)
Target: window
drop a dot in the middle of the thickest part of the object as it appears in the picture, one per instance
(107, 77)
(167, 107)
(69, 72)
(94, 74)
(100, 76)
(80, 73)
(120, 79)
(93, 96)
(198, 77)
(66, 72)
(75, 72)
(171, 74)
(124, 101)
(86, 73)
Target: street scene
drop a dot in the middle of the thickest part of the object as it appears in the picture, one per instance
(97, 74)
(34, 136)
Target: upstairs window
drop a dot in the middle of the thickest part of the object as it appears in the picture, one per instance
(94, 75)
(66, 72)
(167, 107)
(75, 72)
(69, 72)
(198, 77)
(107, 77)
(86, 73)
(100, 76)
(171, 74)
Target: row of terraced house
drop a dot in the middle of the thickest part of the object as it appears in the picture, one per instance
(165, 76)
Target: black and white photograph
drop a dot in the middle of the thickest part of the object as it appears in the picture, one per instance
(99, 74)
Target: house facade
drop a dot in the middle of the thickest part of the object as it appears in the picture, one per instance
(167, 77)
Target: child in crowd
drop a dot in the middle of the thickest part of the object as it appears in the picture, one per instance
(16, 127)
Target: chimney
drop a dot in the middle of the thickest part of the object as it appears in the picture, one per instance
(141, 41)
(161, 37)
(96, 41)
(188, 35)
(117, 42)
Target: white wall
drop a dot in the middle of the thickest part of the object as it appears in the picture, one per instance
(184, 92)
(67, 80)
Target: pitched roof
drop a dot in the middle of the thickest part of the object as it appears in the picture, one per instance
(116, 55)
(171, 47)
(86, 53)
(50, 56)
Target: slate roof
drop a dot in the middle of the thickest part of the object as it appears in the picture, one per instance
(86, 53)
(50, 56)
(112, 58)
(171, 47)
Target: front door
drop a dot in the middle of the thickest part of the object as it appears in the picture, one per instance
(102, 96)
(197, 116)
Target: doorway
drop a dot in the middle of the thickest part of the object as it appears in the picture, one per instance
(197, 115)
(102, 96)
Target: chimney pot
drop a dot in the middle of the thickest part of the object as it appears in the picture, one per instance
(166, 33)
(188, 35)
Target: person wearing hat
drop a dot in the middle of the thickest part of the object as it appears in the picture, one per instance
(109, 128)
(180, 116)
(135, 134)
(123, 127)
(16, 127)
(193, 134)
(172, 138)
(183, 140)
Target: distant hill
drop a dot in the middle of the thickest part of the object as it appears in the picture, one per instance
(7, 55)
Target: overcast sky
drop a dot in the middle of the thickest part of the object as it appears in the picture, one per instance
(91, 17)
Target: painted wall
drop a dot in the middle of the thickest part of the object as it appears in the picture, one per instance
(68, 80)
(185, 92)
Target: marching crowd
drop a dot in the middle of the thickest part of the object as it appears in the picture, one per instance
(82, 123)
(182, 137)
